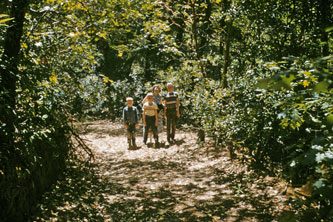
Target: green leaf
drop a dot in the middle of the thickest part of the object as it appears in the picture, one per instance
(329, 119)
(288, 80)
(321, 87)
(329, 29)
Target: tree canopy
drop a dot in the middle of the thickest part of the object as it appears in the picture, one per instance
(256, 75)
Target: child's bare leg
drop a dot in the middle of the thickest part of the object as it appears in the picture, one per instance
(133, 141)
(145, 134)
(150, 136)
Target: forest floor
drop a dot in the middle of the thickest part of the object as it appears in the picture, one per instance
(181, 182)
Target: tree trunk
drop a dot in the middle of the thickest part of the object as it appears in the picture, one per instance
(324, 21)
(194, 28)
(226, 54)
(8, 71)
(206, 30)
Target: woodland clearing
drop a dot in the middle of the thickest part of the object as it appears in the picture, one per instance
(185, 181)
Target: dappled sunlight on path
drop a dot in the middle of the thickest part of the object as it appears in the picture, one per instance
(182, 182)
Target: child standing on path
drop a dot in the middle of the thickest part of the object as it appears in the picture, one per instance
(150, 118)
(157, 99)
(171, 111)
(130, 118)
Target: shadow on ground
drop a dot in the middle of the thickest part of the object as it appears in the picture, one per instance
(162, 190)
(101, 127)
(184, 182)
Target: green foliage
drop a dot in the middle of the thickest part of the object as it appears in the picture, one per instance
(43, 135)
(280, 112)
(82, 59)
(41, 149)
(100, 97)
(305, 115)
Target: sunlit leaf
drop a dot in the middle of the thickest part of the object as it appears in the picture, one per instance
(329, 29)
(321, 87)
(5, 20)
(329, 119)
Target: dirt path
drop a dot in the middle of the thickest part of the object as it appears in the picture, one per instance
(183, 182)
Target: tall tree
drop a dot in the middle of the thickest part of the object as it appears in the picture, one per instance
(324, 20)
(9, 69)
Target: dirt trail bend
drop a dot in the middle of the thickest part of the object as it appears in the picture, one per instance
(181, 182)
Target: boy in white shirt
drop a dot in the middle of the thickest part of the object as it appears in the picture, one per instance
(150, 118)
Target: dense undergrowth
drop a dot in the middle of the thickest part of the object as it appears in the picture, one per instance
(280, 115)
(230, 61)
(42, 145)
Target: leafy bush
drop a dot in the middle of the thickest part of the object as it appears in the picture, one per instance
(280, 112)
(101, 97)
(42, 145)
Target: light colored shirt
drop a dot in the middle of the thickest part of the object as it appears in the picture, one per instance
(149, 109)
